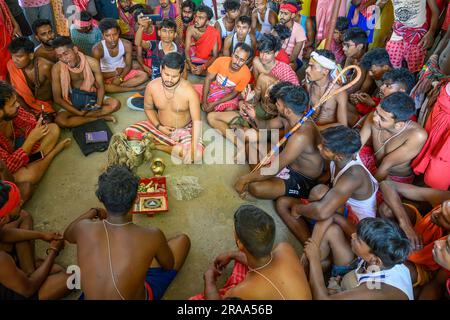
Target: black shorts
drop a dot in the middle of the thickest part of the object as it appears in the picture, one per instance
(8, 294)
(295, 184)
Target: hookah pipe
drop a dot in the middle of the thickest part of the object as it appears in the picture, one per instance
(326, 96)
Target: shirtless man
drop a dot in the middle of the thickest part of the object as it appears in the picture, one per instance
(77, 71)
(30, 76)
(22, 276)
(299, 164)
(395, 138)
(381, 273)
(115, 57)
(274, 272)
(173, 110)
(118, 259)
(319, 75)
(352, 185)
(43, 32)
(355, 46)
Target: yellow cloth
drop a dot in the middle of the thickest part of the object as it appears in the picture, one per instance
(383, 28)
(305, 8)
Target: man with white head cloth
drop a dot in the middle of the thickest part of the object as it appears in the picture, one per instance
(320, 73)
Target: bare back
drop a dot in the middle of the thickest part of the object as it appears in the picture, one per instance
(284, 273)
(132, 251)
(308, 160)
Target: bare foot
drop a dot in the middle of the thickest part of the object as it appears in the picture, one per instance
(62, 145)
(109, 118)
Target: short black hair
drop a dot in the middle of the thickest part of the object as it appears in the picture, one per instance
(327, 54)
(294, 97)
(207, 10)
(401, 76)
(168, 24)
(244, 19)
(341, 140)
(6, 93)
(342, 24)
(400, 105)
(231, 5)
(188, 4)
(255, 229)
(269, 43)
(173, 60)
(282, 31)
(4, 193)
(21, 44)
(85, 16)
(39, 23)
(108, 23)
(244, 47)
(376, 57)
(117, 189)
(385, 239)
(357, 35)
(276, 88)
(62, 41)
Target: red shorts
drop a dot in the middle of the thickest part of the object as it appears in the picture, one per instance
(413, 54)
(133, 73)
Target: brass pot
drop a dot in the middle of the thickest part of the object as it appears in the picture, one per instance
(158, 166)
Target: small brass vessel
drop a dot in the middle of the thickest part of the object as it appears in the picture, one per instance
(158, 166)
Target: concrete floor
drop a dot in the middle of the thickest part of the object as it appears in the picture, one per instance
(68, 190)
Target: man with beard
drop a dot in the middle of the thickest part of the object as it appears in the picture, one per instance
(77, 78)
(203, 42)
(321, 71)
(43, 32)
(296, 42)
(173, 111)
(184, 20)
(227, 78)
(166, 9)
(27, 145)
(241, 34)
(299, 164)
(115, 57)
(396, 140)
(30, 76)
(84, 34)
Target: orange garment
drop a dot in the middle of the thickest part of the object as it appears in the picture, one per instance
(21, 86)
(430, 233)
(434, 159)
(227, 78)
(88, 77)
(204, 46)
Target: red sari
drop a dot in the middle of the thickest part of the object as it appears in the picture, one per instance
(6, 30)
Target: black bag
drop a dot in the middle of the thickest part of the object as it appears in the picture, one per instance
(79, 134)
(80, 99)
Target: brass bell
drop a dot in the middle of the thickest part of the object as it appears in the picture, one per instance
(158, 166)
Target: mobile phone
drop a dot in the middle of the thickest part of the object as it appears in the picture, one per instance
(35, 156)
(153, 17)
(96, 136)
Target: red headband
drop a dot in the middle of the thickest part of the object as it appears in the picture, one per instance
(289, 7)
(83, 24)
(13, 199)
